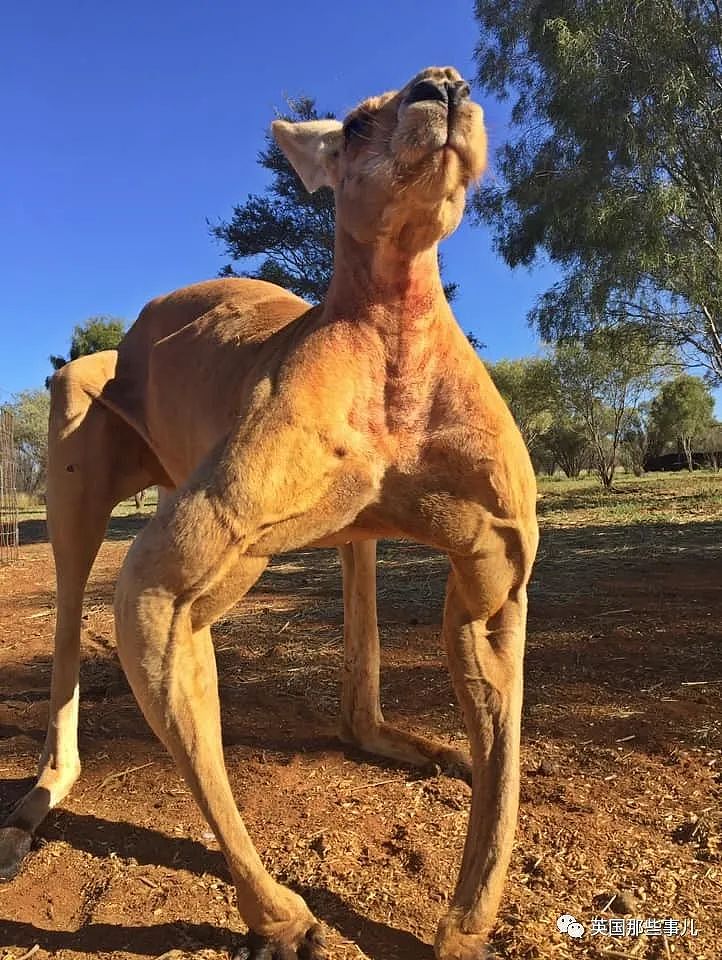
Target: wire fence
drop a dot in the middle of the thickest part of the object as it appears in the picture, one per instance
(9, 531)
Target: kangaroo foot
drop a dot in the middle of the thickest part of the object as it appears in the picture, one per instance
(311, 946)
(15, 843)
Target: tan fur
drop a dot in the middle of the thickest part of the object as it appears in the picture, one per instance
(280, 427)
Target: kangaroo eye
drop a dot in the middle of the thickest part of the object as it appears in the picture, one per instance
(357, 126)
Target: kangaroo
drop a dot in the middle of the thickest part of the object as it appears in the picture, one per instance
(276, 426)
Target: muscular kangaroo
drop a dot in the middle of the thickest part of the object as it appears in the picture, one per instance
(278, 426)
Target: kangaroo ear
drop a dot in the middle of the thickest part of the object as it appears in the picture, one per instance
(312, 148)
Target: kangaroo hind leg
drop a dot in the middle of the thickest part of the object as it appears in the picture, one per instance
(94, 461)
(362, 721)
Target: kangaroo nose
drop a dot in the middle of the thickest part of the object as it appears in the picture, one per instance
(458, 91)
(442, 91)
(428, 90)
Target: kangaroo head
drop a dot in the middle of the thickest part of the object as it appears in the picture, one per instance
(399, 164)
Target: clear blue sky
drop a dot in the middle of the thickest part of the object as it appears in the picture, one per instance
(125, 126)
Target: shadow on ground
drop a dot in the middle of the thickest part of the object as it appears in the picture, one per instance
(100, 838)
(119, 528)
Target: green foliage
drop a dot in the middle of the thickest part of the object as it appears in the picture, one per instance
(529, 389)
(476, 343)
(96, 334)
(682, 411)
(566, 444)
(290, 229)
(710, 443)
(30, 410)
(640, 440)
(585, 400)
(602, 381)
(614, 171)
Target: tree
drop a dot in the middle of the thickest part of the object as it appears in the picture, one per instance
(290, 229)
(476, 343)
(640, 440)
(711, 445)
(30, 410)
(682, 411)
(529, 389)
(566, 441)
(96, 334)
(603, 378)
(614, 169)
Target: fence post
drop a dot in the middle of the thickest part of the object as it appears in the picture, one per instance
(9, 531)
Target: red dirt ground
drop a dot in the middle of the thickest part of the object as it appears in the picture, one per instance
(622, 761)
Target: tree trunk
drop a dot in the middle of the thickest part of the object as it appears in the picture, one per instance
(687, 447)
(605, 472)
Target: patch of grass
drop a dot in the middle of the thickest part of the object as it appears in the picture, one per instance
(33, 508)
(676, 498)
(127, 507)
(654, 498)
(30, 501)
